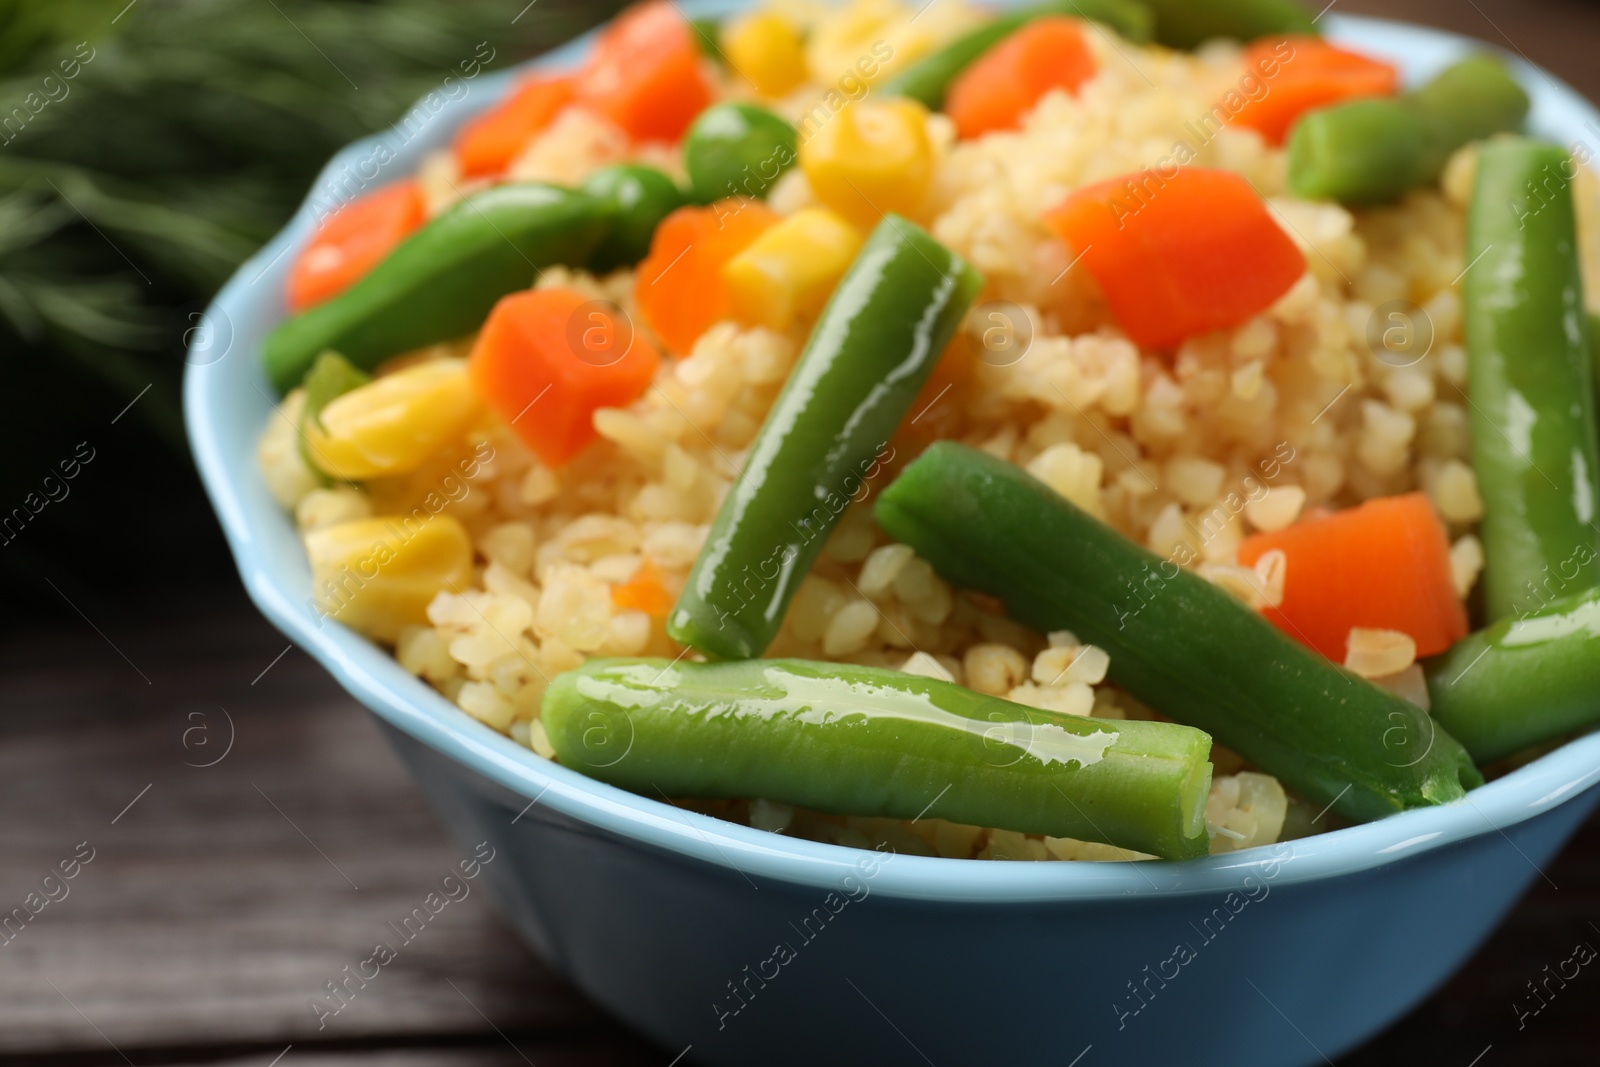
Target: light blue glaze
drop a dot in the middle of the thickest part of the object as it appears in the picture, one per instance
(654, 910)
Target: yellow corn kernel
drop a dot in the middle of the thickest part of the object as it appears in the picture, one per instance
(791, 269)
(846, 34)
(856, 45)
(395, 424)
(767, 51)
(377, 576)
(873, 157)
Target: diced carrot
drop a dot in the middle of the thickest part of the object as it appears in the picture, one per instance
(646, 592)
(679, 290)
(489, 143)
(647, 73)
(353, 240)
(1179, 254)
(1314, 74)
(1384, 565)
(547, 359)
(999, 89)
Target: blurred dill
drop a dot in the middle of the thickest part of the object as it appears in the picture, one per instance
(185, 138)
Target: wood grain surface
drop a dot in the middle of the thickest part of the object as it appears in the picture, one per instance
(220, 898)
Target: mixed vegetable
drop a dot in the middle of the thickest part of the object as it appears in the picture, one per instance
(1373, 150)
(1184, 646)
(440, 283)
(930, 78)
(1282, 673)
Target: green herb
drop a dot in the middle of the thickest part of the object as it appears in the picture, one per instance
(184, 137)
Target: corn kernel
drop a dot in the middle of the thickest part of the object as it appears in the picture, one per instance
(862, 42)
(847, 35)
(377, 576)
(395, 424)
(329, 507)
(791, 270)
(278, 453)
(872, 157)
(767, 51)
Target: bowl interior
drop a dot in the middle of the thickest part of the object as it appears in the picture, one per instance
(227, 401)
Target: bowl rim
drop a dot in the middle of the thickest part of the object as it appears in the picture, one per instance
(223, 420)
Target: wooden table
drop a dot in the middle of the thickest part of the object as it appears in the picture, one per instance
(220, 898)
(228, 883)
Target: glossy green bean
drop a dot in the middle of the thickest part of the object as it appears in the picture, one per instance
(825, 438)
(441, 282)
(1178, 643)
(1523, 681)
(1534, 445)
(929, 78)
(640, 197)
(1188, 23)
(866, 741)
(1374, 151)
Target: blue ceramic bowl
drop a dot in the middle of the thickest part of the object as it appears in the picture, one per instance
(756, 948)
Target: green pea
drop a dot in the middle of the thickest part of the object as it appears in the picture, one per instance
(642, 197)
(737, 150)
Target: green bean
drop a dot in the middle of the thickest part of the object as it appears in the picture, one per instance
(872, 742)
(825, 438)
(1178, 643)
(1522, 681)
(440, 283)
(928, 78)
(1534, 446)
(641, 197)
(1594, 356)
(737, 150)
(1188, 23)
(1374, 151)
